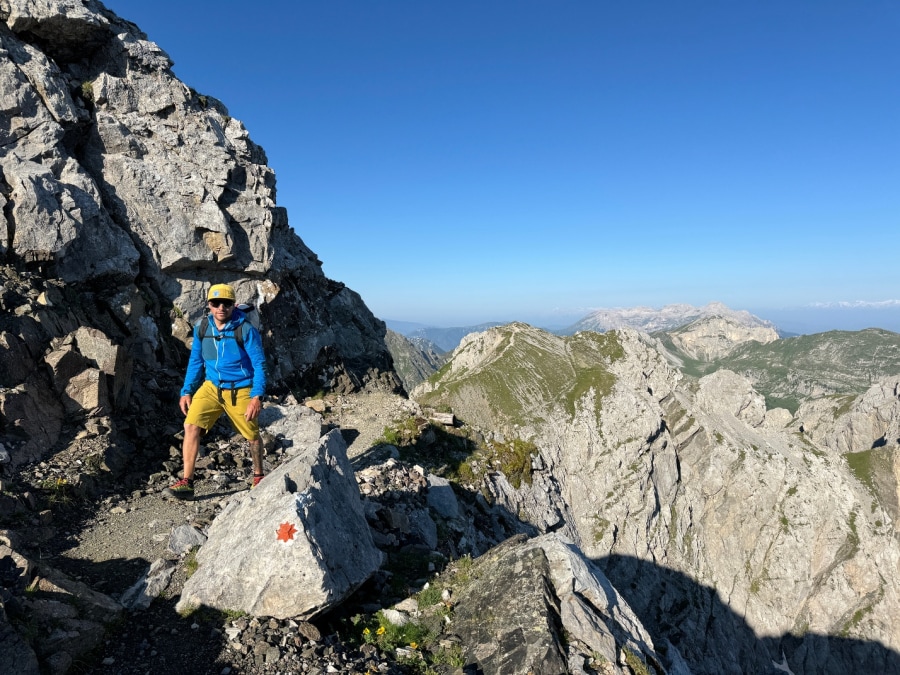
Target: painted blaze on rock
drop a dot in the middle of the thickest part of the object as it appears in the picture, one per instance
(294, 546)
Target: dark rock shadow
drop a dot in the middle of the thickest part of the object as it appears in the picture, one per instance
(349, 435)
(714, 640)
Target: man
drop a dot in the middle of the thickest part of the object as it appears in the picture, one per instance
(226, 373)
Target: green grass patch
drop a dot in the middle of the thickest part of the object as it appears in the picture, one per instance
(601, 525)
(190, 562)
(633, 661)
(872, 467)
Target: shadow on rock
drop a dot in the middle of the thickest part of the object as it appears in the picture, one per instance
(714, 640)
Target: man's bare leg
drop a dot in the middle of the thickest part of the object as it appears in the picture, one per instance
(256, 456)
(189, 448)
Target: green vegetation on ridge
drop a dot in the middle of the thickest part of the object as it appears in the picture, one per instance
(525, 369)
(790, 370)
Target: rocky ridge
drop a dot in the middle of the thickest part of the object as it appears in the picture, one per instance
(701, 504)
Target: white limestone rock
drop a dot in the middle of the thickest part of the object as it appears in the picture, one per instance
(714, 337)
(294, 546)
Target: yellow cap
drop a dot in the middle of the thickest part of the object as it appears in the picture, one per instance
(221, 292)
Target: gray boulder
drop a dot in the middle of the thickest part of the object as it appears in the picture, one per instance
(149, 586)
(536, 606)
(294, 546)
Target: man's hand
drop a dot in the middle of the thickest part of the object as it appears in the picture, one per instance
(185, 403)
(253, 408)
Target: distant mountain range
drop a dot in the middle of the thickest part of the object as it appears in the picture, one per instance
(646, 319)
(788, 322)
(651, 320)
(445, 339)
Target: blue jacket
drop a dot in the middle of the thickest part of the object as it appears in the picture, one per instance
(219, 359)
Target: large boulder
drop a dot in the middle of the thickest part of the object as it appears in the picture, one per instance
(294, 546)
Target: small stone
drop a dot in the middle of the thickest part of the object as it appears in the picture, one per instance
(272, 654)
(309, 631)
(108, 661)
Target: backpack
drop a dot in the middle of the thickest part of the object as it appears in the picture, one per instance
(238, 334)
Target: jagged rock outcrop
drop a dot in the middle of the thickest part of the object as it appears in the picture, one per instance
(852, 424)
(731, 535)
(124, 195)
(295, 546)
(711, 338)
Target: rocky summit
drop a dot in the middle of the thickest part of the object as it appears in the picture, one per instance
(708, 498)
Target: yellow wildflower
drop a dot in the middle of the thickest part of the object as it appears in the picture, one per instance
(366, 631)
(380, 630)
(413, 645)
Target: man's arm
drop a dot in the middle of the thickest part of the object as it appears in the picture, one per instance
(196, 369)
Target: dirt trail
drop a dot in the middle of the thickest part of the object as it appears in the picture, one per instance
(110, 545)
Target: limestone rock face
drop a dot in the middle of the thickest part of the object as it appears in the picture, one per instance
(294, 546)
(733, 532)
(125, 194)
(871, 421)
(727, 393)
(712, 338)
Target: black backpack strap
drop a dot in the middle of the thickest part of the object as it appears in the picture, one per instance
(238, 334)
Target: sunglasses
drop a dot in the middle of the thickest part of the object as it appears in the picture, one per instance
(221, 303)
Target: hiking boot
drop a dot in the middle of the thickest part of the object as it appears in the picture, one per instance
(256, 479)
(183, 489)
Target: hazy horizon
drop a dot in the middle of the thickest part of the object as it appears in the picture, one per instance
(794, 320)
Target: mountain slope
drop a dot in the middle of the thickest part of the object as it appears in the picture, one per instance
(513, 370)
(791, 370)
(448, 338)
(643, 468)
(415, 359)
(714, 337)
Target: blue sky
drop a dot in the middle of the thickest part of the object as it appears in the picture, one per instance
(489, 161)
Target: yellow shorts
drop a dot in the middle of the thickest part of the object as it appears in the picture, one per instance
(206, 409)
